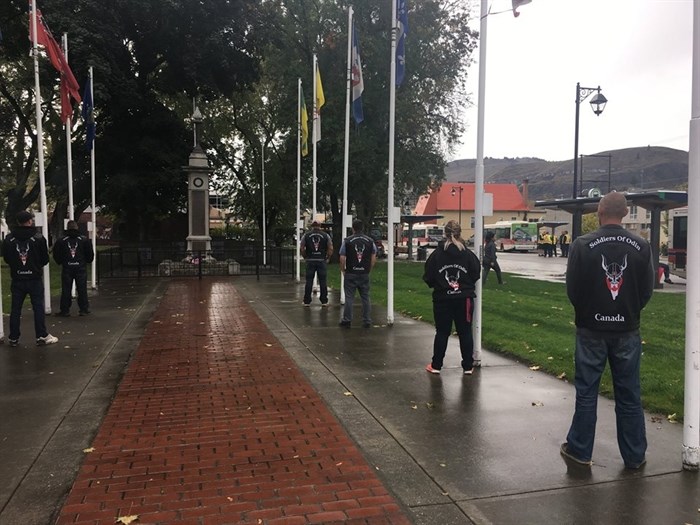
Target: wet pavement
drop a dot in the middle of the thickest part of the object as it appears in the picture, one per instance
(448, 449)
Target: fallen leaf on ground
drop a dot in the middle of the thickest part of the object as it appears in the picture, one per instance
(534, 368)
(537, 404)
(347, 393)
(672, 418)
(535, 324)
(88, 450)
(268, 344)
(125, 520)
(562, 375)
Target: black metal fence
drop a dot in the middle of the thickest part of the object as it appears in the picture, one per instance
(227, 257)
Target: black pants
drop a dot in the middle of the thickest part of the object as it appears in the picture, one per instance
(316, 268)
(496, 269)
(34, 288)
(79, 275)
(459, 312)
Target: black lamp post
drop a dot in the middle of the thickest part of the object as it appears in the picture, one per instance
(454, 191)
(598, 105)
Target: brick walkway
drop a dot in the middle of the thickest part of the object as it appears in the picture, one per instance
(213, 424)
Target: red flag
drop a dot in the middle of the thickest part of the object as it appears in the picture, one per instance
(69, 85)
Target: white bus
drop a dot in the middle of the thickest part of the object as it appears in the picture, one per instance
(518, 236)
(423, 234)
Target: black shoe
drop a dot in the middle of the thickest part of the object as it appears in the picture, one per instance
(636, 466)
(62, 314)
(366, 325)
(84, 312)
(13, 342)
(564, 451)
(344, 324)
(668, 281)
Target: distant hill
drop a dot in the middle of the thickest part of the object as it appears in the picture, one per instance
(631, 169)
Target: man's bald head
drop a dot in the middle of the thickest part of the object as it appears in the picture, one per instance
(612, 208)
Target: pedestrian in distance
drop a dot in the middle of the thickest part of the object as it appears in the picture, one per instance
(553, 240)
(316, 248)
(547, 242)
(490, 261)
(26, 253)
(609, 280)
(667, 272)
(358, 255)
(452, 271)
(73, 252)
(564, 241)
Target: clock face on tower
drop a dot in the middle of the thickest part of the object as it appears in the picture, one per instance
(198, 182)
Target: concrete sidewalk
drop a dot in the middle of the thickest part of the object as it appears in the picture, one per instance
(480, 449)
(215, 421)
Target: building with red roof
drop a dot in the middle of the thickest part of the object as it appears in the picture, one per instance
(508, 204)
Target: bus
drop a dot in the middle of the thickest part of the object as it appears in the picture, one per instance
(518, 236)
(423, 234)
(678, 237)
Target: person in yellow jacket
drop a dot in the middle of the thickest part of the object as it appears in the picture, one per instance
(564, 241)
(547, 241)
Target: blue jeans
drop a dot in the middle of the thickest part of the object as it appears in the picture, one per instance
(34, 288)
(357, 281)
(460, 312)
(313, 268)
(624, 352)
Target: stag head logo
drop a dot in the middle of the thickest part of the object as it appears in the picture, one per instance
(613, 275)
(452, 280)
(359, 251)
(317, 242)
(23, 254)
(73, 249)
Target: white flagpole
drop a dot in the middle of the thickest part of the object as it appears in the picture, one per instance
(691, 420)
(390, 187)
(479, 180)
(40, 156)
(69, 146)
(264, 218)
(296, 219)
(92, 189)
(346, 167)
(314, 139)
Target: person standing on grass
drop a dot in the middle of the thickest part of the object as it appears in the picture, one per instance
(452, 271)
(316, 248)
(26, 253)
(490, 259)
(609, 280)
(73, 252)
(358, 255)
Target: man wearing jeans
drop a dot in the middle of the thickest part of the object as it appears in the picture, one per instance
(609, 280)
(316, 248)
(358, 254)
(26, 253)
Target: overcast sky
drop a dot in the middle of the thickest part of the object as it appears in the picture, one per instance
(638, 51)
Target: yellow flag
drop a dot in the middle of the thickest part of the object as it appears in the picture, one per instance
(304, 127)
(320, 101)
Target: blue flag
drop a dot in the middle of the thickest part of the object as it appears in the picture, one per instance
(88, 117)
(358, 85)
(402, 24)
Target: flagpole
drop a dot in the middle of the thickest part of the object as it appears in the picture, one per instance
(691, 419)
(92, 190)
(390, 188)
(40, 156)
(264, 218)
(314, 139)
(69, 146)
(479, 180)
(346, 166)
(296, 219)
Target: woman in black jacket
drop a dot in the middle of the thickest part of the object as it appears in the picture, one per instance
(452, 271)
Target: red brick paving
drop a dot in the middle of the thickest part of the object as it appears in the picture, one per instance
(213, 424)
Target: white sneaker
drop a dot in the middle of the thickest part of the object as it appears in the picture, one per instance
(48, 339)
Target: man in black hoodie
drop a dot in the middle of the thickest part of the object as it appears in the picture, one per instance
(26, 253)
(74, 252)
(609, 279)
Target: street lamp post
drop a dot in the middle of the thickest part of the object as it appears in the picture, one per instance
(454, 191)
(598, 105)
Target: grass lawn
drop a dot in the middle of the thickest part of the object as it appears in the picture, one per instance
(533, 322)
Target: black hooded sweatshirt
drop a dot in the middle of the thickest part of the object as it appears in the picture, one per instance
(73, 251)
(26, 253)
(452, 273)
